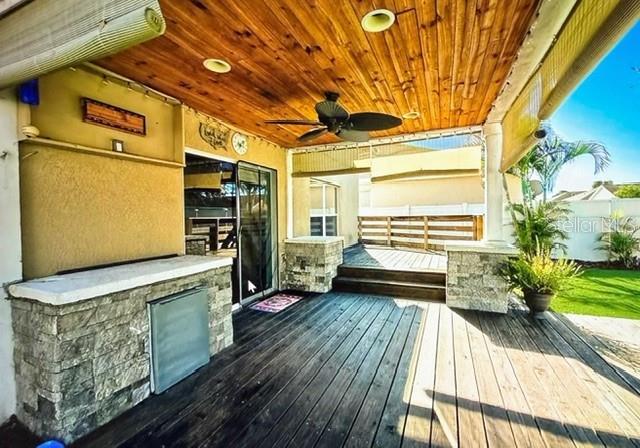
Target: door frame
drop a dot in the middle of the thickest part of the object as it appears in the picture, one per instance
(274, 233)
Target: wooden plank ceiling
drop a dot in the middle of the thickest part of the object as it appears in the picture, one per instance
(446, 59)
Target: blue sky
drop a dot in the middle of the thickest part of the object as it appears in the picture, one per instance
(605, 108)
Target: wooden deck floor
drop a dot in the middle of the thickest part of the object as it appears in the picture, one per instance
(394, 258)
(348, 370)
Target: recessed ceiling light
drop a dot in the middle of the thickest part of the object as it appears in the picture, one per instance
(411, 115)
(217, 65)
(378, 20)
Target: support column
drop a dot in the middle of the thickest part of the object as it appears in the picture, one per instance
(493, 191)
(10, 243)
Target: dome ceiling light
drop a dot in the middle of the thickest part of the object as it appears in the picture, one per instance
(378, 20)
(217, 65)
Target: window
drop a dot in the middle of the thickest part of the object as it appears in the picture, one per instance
(324, 209)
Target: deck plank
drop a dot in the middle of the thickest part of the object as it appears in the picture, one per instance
(471, 428)
(361, 360)
(547, 416)
(395, 259)
(585, 406)
(445, 411)
(280, 412)
(390, 429)
(244, 404)
(325, 386)
(597, 386)
(353, 370)
(418, 425)
(495, 412)
(522, 414)
(566, 403)
(372, 381)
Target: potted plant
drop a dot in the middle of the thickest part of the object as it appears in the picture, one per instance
(538, 277)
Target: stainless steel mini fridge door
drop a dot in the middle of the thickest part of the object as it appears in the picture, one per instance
(179, 337)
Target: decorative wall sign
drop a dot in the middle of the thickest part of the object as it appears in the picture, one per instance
(215, 137)
(113, 117)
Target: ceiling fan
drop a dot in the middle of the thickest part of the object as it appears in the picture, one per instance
(333, 118)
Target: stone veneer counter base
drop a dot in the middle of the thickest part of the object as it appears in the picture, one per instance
(80, 363)
(311, 262)
(473, 282)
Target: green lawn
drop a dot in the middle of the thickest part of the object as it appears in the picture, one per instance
(602, 292)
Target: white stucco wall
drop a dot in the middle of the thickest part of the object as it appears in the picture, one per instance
(10, 245)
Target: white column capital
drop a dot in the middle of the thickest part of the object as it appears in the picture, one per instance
(492, 128)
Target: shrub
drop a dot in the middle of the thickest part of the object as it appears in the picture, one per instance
(621, 241)
(538, 272)
(629, 191)
(536, 229)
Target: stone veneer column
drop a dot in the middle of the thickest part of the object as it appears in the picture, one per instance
(473, 282)
(195, 245)
(81, 364)
(311, 263)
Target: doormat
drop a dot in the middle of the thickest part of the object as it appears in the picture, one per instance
(277, 303)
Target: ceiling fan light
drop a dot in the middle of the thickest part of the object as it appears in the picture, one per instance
(411, 115)
(217, 65)
(378, 20)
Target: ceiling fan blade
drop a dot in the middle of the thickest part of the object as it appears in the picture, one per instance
(295, 122)
(372, 121)
(331, 109)
(313, 133)
(353, 136)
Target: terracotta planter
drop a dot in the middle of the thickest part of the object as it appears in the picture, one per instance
(537, 302)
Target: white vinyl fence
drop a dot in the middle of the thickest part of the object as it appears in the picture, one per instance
(588, 219)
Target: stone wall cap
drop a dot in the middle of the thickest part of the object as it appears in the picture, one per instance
(481, 247)
(195, 237)
(315, 239)
(78, 286)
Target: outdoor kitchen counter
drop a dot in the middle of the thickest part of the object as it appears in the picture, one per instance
(82, 285)
(83, 340)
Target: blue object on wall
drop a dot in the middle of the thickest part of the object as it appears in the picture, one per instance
(29, 92)
(51, 444)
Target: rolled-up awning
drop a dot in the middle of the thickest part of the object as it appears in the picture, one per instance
(591, 31)
(46, 35)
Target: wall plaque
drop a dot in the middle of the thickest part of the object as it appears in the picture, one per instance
(113, 117)
(215, 137)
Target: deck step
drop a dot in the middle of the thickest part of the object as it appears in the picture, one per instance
(400, 275)
(396, 289)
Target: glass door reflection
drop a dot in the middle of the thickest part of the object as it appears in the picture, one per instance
(258, 241)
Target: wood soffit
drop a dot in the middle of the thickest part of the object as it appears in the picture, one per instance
(447, 59)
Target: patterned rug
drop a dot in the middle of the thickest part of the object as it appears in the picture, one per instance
(277, 303)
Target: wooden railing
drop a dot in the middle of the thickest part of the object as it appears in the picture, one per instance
(216, 230)
(418, 232)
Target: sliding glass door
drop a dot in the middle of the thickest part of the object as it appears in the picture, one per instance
(258, 231)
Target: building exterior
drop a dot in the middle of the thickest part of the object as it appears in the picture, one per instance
(96, 159)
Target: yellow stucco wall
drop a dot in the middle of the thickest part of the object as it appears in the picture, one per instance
(301, 203)
(81, 210)
(59, 115)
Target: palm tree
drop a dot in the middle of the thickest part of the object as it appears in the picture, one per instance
(550, 155)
